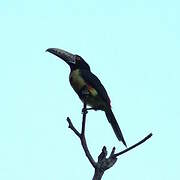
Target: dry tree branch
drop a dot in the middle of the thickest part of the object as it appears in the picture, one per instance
(82, 134)
(133, 146)
(103, 162)
(83, 142)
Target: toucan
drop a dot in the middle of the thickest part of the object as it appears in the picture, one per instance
(80, 78)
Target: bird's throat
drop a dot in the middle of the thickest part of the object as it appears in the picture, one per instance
(76, 81)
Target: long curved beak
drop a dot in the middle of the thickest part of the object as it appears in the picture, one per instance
(66, 56)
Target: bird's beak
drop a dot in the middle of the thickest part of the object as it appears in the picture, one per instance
(66, 56)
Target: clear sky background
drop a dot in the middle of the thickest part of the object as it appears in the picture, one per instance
(133, 46)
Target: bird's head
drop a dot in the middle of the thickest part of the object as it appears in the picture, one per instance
(73, 60)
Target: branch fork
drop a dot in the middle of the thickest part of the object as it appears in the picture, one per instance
(103, 162)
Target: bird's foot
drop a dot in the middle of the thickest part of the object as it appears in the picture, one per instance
(84, 110)
(95, 109)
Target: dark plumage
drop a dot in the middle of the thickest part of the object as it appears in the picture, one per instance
(81, 77)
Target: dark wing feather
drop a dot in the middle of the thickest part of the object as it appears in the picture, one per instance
(92, 80)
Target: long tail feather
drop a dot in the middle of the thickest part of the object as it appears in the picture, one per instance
(115, 126)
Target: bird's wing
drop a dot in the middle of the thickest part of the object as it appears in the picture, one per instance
(93, 81)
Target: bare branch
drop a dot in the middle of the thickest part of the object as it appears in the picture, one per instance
(84, 111)
(71, 126)
(133, 146)
(98, 174)
(86, 150)
(104, 162)
(82, 134)
(83, 141)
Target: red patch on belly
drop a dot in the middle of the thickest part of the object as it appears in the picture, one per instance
(90, 87)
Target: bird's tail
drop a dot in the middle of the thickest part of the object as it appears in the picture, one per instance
(115, 126)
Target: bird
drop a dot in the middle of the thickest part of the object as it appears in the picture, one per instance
(81, 77)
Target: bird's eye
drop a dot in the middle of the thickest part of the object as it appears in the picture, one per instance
(78, 58)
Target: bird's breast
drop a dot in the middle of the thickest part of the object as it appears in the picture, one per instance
(76, 80)
(78, 83)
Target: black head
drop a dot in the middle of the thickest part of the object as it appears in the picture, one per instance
(74, 61)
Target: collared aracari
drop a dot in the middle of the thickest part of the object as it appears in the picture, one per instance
(81, 77)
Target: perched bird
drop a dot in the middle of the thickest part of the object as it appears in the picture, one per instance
(81, 77)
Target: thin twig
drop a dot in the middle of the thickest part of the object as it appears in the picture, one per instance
(82, 136)
(84, 111)
(133, 146)
(71, 126)
(83, 139)
(104, 162)
(87, 152)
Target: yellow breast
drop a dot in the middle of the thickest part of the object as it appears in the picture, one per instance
(77, 82)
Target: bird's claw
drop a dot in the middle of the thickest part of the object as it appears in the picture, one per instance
(95, 109)
(84, 111)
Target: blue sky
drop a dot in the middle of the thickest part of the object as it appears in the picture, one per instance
(132, 46)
